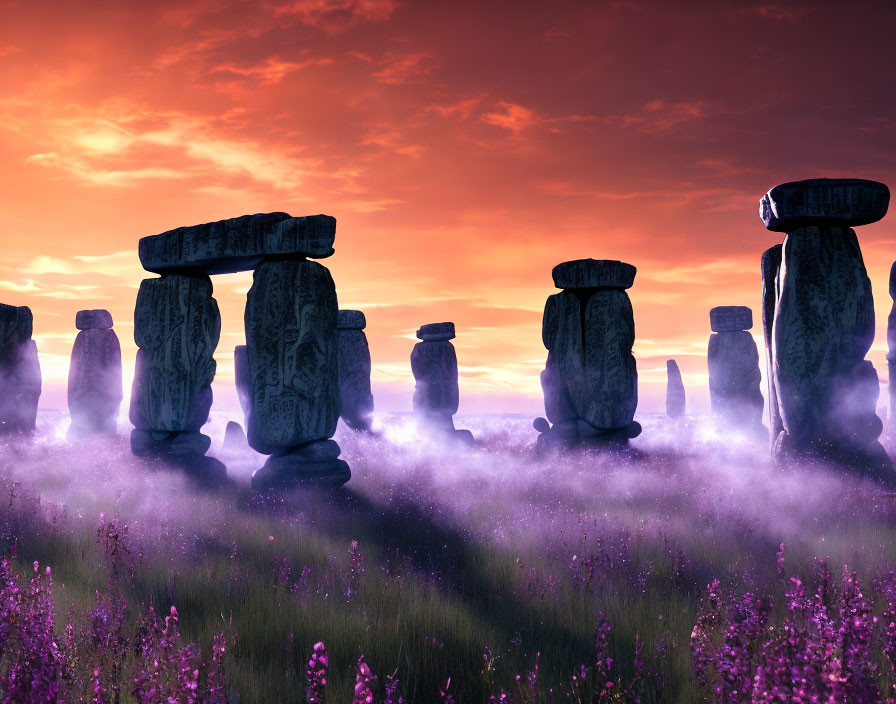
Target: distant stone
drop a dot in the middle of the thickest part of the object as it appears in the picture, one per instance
(234, 438)
(734, 379)
(730, 318)
(594, 273)
(354, 372)
(94, 382)
(351, 320)
(436, 394)
(237, 244)
(541, 425)
(846, 202)
(97, 319)
(20, 377)
(436, 332)
(675, 397)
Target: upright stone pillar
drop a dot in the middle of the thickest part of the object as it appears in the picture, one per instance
(176, 328)
(891, 353)
(675, 398)
(291, 345)
(734, 375)
(590, 381)
(771, 265)
(20, 378)
(436, 394)
(94, 376)
(354, 370)
(824, 322)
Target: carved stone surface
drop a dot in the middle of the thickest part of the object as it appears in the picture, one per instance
(436, 332)
(291, 340)
(436, 394)
(20, 377)
(176, 327)
(237, 244)
(675, 397)
(594, 273)
(845, 202)
(730, 318)
(771, 265)
(824, 326)
(734, 379)
(351, 320)
(94, 380)
(97, 319)
(354, 371)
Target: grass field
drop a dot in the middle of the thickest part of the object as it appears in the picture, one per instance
(442, 562)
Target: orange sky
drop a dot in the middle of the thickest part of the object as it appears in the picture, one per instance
(464, 148)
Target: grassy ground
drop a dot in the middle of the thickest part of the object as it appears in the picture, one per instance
(457, 551)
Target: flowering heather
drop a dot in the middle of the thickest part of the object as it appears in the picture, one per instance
(316, 674)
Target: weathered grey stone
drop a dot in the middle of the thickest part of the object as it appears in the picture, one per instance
(436, 394)
(234, 438)
(20, 377)
(594, 273)
(97, 319)
(176, 326)
(237, 244)
(771, 264)
(436, 332)
(351, 320)
(734, 379)
(730, 318)
(290, 471)
(292, 347)
(844, 202)
(354, 373)
(94, 382)
(823, 328)
(675, 397)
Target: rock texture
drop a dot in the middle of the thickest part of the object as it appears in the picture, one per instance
(20, 377)
(891, 351)
(590, 381)
(434, 365)
(237, 244)
(436, 332)
(354, 370)
(292, 355)
(734, 374)
(176, 327)
(824, 324)
(94, 377)
(675, 398)
(771, 265)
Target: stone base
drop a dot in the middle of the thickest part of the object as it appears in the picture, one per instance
(185, 450)
(578, 433)
(80, 430)
(316, 463)
(871, 461)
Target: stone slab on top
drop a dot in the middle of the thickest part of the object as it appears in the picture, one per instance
(237, 244)
(848, 202)
(594, 273)
(730, 318)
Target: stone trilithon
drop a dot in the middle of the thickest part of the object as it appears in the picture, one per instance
(822, 325)
(287, 372)
(590, 381)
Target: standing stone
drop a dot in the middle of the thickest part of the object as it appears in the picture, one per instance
(675, 398)
(590, 381)
(234, 438)
(891, 351)
(436, 393)
(771, 265)
(94, 377)
(734, 374)
(824, 322)
(292, 354)
(354, 370)
(176, 327)
(20, 378)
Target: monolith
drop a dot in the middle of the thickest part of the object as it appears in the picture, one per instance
(20, 377)
(354, 370)
(176, 328)
(590, 381)
(436, 393)
(94, 377)
(824, 322)
(891, 353)
(292, 355)
(675, 398)
(770, 266)
(734, 374)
